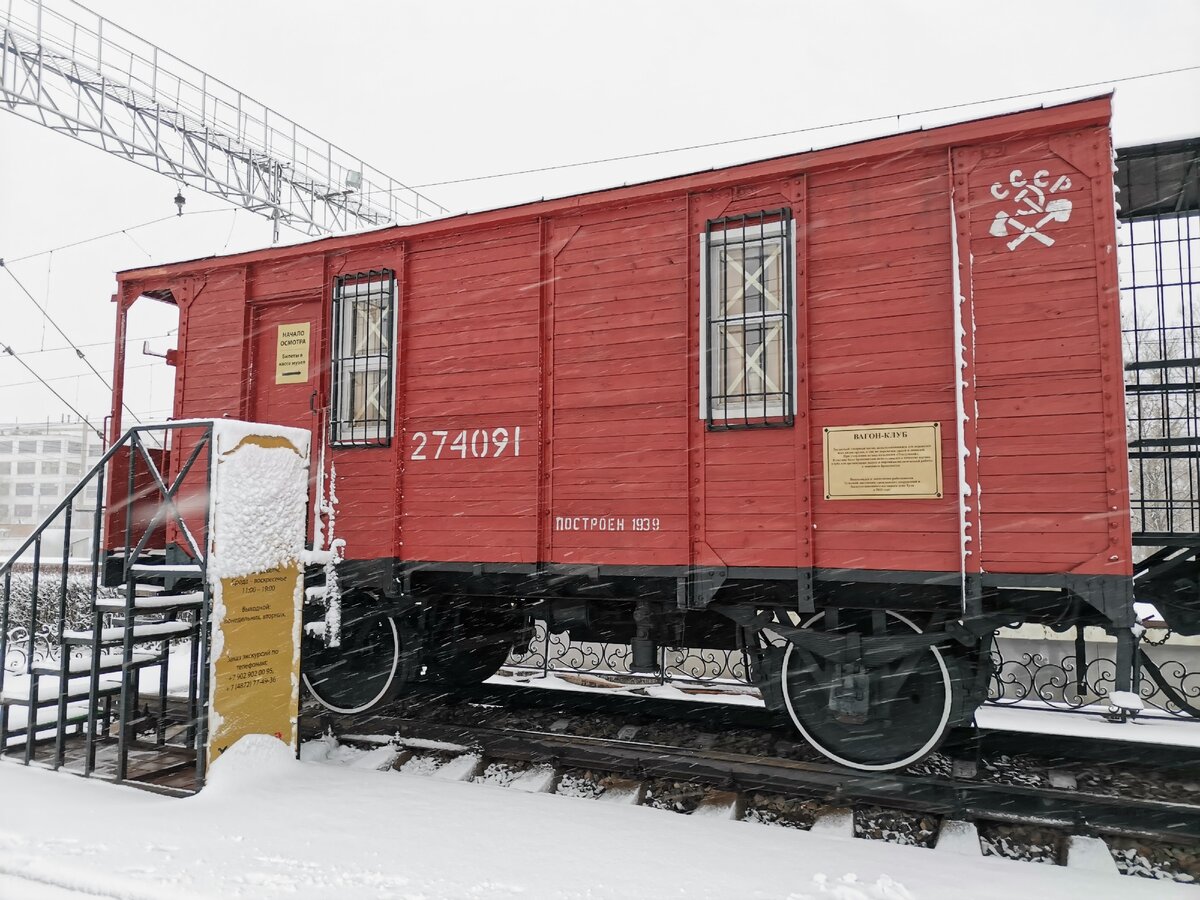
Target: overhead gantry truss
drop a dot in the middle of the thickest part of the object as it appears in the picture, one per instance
(81, 75)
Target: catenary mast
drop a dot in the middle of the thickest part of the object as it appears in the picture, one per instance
(80, 74)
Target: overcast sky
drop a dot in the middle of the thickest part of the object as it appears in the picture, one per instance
(433, 92)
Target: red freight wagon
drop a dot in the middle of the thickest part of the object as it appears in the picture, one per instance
(848, 409)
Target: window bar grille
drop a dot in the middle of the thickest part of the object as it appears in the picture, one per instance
(745, 348)
(388, 328)
(706, 323)
(1162, 349)
(363, 362)
(752, 406)
(791, 336)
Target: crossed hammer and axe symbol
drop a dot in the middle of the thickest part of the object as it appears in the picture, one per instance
(1031, 201)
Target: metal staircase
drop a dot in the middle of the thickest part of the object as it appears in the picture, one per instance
(102, 679)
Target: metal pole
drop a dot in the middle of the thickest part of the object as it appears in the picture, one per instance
(203, 625)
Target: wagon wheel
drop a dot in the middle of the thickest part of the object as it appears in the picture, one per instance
(469, 649)
(372, 665)
(912, 703)
(465, 667)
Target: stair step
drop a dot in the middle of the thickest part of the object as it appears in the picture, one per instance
(192, 600)
(47, 717)
(17, 689)
(150, 631)
(109, 662)
(156, 569)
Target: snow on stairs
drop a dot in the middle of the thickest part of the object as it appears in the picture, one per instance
(151, 631)
(86, 679)
(158, 602)
(75, 692)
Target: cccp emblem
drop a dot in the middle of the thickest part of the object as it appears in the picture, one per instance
(1034, 210)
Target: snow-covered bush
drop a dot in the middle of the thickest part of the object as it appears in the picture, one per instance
(78, 606)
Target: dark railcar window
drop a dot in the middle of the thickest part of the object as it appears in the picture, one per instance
(364, 313)
(749, 310)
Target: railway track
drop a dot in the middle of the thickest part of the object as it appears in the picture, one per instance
(967, 742)
(1011, 803)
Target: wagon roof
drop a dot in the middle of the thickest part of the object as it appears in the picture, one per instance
(1074, 114)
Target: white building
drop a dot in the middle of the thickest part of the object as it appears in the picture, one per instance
(39, 465)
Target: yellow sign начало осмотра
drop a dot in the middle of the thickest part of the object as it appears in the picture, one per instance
(291, 354)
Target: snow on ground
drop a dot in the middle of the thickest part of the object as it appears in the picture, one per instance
(1147, 728)
(598, 683)
(270, 826)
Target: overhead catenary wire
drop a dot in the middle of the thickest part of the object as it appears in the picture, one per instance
(71, 345)
(125, 231)
(132, 339)
(79, 353)
(10, 352)
(660, 152)
(651, 153)
(794, 131)
(13, 384)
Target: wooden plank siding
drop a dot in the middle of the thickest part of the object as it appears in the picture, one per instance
(472, 329)
(619, 361)
(578, 321)
(1045, 390)
(881, 349)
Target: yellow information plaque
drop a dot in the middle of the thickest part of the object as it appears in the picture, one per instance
(291, 354)
(895, 462)
(256, 579)
(253, 691)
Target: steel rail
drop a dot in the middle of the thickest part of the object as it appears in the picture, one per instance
(1076, 810)
(965, 742)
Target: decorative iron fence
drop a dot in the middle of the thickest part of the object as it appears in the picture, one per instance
(1034, 667)
(548, 652)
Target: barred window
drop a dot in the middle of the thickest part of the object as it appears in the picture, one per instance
(748, 333)
(73, 447)
(74, 469)
(364, 307)
(52, 446)
(24, 489)
(50, 468)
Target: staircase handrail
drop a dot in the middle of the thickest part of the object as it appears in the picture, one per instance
(65, 502)
(124, 440)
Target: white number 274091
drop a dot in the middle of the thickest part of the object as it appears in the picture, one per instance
(477, 443)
